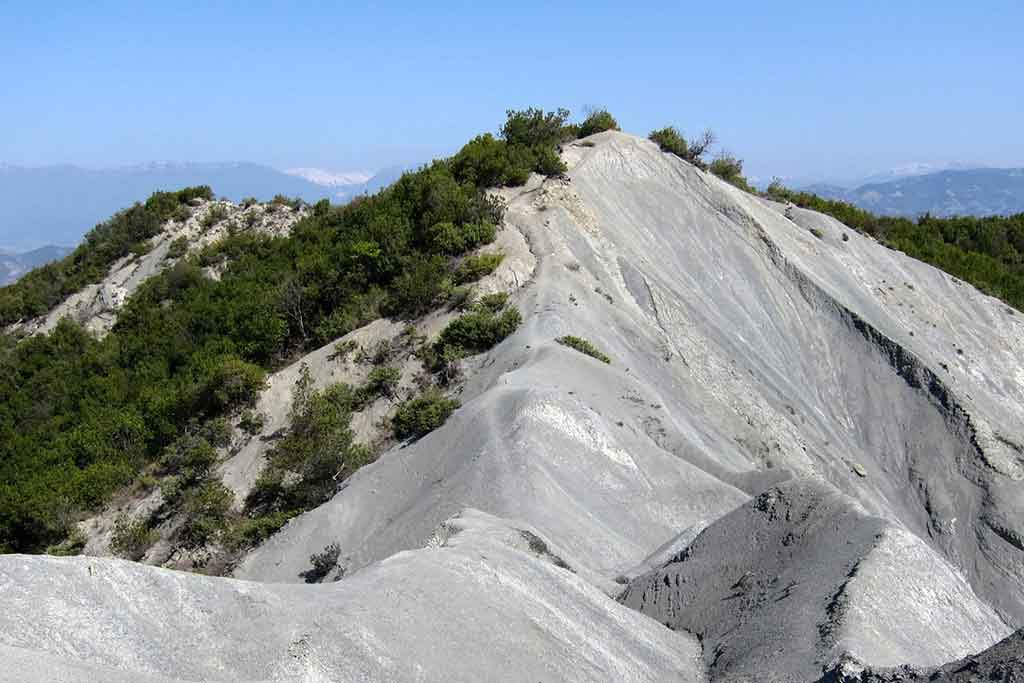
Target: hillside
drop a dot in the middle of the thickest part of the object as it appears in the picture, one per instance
(58, 204)
(966, 192)
(723, 438)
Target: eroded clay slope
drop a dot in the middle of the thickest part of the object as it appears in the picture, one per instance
(487, 599)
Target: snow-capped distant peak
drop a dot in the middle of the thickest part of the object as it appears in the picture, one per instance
(319, 176)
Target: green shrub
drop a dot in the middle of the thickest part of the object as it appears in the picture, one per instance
(535, 127)
(131, 538)
(303, 467)
(418, 288)
(459, 298)
(251, 531)
(818, 233)
(422, 415)
(232, 384)
(670, 140)
(322, 563)
(190, 457)
(451, 240)
(205, 509)
(479, 330)
(730, 169)
(216, 214)
(485, 162)
(584, 347)
(74, 544)
(178, 248)
(475, 267)
(598, 121)
(382, 381)
(493, 302)
(252, 422)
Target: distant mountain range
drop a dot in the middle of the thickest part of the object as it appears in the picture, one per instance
(59, 204)
(974, 192)
(13, 266)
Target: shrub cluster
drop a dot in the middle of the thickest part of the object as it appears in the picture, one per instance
(597, 121)
(475, 267)
(481, 328)
(584, 347)
(302, 469)
(422, 415)
(730, 169)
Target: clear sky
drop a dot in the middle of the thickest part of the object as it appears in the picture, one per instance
(807, 89)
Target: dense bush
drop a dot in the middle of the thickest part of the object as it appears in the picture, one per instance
(528, 143)
(131, 538)
(302, 468)
(205, 508)
(670, 140)
(479, 330)
(730, 169)
(422, 415)
(584, 347)
(597, 121)
(322, 563)
(450, 239)
(475, 267)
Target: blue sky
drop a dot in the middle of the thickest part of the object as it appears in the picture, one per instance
(806, 89)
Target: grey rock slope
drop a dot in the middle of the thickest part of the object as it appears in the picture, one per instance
(746, 352)
(484, 601)
(802, 576)
(1003, 662)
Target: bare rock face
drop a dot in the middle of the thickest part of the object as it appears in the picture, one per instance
(806, 457)
(485, 599)
(802, 576)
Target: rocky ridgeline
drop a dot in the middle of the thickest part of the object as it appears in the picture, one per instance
(730, 441)
(95, 306)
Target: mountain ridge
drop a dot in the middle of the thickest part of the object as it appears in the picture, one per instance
(952, 192)
(769, 370)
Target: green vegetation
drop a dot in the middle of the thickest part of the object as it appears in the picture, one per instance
(987, 252)
(475, 267)
(43, 288)
(422, 415)
(669, 139)
(597, 121)
(177, 248)
(584, 347)
(528, 143)
(484, 326)
(730, 169)
(302, 469)
(215, 215)
(131, 538)
(322, 563)
(81, 417)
